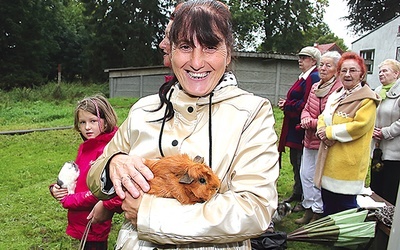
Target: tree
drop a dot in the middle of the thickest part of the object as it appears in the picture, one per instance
(123, 34)
(283, 25)
(322, 34)
(26, 41)
(71, 37)
(367, 15)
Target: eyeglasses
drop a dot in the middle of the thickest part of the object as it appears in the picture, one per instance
(351, 71)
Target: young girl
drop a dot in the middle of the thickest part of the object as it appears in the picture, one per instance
(96, 121)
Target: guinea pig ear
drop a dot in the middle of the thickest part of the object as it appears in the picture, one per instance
(186, 179)
(198, 159)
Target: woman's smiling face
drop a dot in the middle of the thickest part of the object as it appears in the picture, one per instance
(350, 73)
(197, 67)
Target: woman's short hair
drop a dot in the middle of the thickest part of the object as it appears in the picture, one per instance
(354, 56)
(209, 21)
(334, 55)
(393, 64)
(99, 106)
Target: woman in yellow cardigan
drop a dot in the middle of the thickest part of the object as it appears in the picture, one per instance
(345, 128)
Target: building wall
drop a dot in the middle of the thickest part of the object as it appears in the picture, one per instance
(257, 73)
(385, 40)
(270, 78)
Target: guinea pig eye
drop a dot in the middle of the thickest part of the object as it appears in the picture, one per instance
(202, 180)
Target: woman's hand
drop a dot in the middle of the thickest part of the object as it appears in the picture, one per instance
(129, 172)
(57, 192)
(281, 103)
(321, 133)
(131, 206)
(306, 123)
(377, 134)
(99, 213)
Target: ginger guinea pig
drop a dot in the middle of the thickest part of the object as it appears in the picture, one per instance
(177, 176)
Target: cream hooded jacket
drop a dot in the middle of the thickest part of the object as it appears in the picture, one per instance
(244, 156)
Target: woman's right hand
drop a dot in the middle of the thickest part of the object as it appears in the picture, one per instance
(281, 103)
(377, 134)
(57, 192)
(129, 172)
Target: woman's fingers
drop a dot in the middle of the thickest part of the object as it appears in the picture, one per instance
(130, 174)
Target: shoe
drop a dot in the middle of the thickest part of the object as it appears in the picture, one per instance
(293, 197)
(308, 215)
(316, 217)
(298, 208)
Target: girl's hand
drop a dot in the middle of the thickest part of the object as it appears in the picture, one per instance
(130, 173)
(57, 192)
(99, 213)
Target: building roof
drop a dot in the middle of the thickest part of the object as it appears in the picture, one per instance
(328, 47)
(383, 24)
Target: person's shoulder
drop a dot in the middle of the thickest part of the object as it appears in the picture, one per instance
(315, 76)
(247, 100)
(149, 102)
(367, 93)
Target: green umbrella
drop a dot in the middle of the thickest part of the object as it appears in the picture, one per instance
(345, 228)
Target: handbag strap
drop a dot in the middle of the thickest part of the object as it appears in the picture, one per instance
(85, 235)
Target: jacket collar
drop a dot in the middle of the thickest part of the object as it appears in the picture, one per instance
(394, 91)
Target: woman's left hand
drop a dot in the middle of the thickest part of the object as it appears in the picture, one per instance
(131, 206)
(129, 172)
(306, 123)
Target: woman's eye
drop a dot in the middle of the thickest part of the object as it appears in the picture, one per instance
(210, 49)
(185, 47)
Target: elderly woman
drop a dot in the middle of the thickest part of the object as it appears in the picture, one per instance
(385, 181)
(291, 134)
(319, 94)
(202, 112)
(345, 128)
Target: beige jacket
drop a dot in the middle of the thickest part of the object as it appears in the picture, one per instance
(244, 156)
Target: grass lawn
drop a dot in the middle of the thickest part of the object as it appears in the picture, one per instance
(30, 217)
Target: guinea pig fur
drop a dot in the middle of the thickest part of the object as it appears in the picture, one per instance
(68, 175)
(188, 181)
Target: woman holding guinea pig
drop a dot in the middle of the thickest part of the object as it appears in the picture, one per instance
(201, 111)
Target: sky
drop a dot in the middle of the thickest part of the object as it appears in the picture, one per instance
(336, 10)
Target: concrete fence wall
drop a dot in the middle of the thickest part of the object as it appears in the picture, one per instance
(266, 75)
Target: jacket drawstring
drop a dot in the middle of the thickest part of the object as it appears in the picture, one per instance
(209, 128)
(163, 123)
(210, 131)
